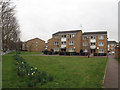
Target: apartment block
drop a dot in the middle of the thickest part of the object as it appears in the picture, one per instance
(117, 50)
(34, 45)
(74, 41)
(94, 42)
(66, 41)
(111, 46)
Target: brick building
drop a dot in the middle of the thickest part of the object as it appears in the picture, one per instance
(34, 45)
(117, 51)
(68, 41)
(111, 46)
(74, 41)
(94, 42)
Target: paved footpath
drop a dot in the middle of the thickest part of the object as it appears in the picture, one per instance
(111, 76)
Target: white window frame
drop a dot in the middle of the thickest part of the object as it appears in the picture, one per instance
(63, 36)
(56, 49)
(85, 50)
(71, 43)
(85, 44)
(93, 44)
(101, 37)
(64, 43)
(71, 49)
(56, 43)
(101, 51)
(71, 36)
(100, 44)
(85, 37)
(56, 36)
(94, 37)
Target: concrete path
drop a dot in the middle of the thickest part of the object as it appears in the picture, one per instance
(111, 76)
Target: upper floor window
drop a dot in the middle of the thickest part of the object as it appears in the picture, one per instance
(85, 37)
(56, 37)
(100, 44)
(36, 42)
(100, 51)
(92, 43)
(101, 37)
(71, 35)
(93, 37)
(63, 42)
(85, 43)
(71, 43)
(56, 43)
(63, 36)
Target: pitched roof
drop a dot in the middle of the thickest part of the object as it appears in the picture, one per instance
(100, 32)
(62, 32)
(35, 38)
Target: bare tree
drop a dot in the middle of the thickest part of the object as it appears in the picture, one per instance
(10, 26)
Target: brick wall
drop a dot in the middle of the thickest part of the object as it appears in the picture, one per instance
(35, 45)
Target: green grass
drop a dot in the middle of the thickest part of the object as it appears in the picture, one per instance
(24, 53)
(68, 72)
(10, 79)
(118, 59)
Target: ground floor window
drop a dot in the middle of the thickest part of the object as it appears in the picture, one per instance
(100, 51)
(85, 50)
(71, 49)
(56, 49)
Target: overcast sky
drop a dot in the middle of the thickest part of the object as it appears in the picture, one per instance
(42, 18)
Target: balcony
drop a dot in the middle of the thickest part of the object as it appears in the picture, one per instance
(63, 39)
(92, 40)
(63, 46)
(92, 47)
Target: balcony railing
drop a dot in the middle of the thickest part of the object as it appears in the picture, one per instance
(63, 39)
(92, 47)
(92, 40)
(63, 46)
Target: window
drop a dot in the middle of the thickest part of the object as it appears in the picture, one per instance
(101, 37)
(85, 50)
(93, 44)
(93, 37)
(63, 42)
(71, 35)
(85, 43)
(100, 51)
(56, 37)
(56, 49)
(71, 43)
(85, 37)
(63, 36)
(71, 49)
(100, 44)
(56, 43)
(36, 42)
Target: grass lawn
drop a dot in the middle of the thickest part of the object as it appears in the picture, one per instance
(24, 53)
(68, 72)
(118, 59)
